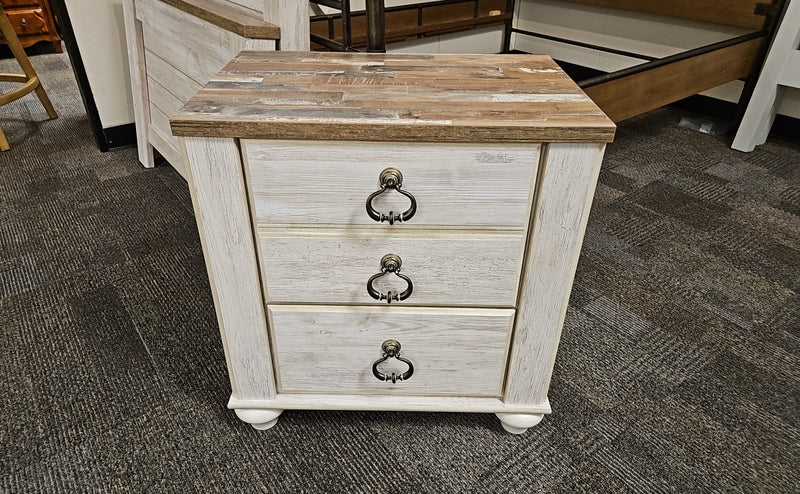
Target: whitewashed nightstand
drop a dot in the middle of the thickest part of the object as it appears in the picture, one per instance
(391, 232)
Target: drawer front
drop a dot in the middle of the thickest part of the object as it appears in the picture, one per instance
(28, 21)
(327, 182)
(457, 352)
(335, 265)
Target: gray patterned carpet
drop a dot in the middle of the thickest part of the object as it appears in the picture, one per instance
(679, 369)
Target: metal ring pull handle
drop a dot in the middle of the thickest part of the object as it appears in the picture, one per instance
(391, 349)
(391, 178)
(390, 263)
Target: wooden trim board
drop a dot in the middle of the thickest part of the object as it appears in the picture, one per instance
(298, 401)
(638, 93)
(227, 18)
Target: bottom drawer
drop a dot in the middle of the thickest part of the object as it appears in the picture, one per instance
(457, 352)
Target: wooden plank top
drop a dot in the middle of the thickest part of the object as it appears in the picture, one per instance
(227, 18)
(393, 97)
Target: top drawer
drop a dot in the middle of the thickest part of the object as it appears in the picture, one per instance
(28, 21)
(329, 182)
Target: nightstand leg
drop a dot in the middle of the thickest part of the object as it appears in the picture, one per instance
(517, 423)
(261, 419)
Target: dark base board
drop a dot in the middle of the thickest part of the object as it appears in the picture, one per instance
(786, 128)
(35, 49)
(119, 136)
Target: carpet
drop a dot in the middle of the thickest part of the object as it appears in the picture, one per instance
(678, 371)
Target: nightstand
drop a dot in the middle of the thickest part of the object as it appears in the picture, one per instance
(392, 232)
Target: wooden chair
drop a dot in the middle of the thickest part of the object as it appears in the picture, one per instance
(29, 79)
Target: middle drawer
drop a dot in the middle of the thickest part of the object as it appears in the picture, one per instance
(445, 268)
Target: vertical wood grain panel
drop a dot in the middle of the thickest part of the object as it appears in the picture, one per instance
(293, 19)
(135, 44)
(568, 177)
(223, 219)
(165, 143)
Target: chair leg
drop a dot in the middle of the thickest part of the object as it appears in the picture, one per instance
(22, 58)
(48, 106)
(31, 80)
(3, 141)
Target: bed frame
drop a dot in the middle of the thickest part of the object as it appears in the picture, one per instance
(658, 82)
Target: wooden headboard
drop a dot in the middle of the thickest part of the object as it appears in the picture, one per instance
(739, 13)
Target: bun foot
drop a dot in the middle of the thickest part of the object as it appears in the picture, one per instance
(517, 423)
(261, 419)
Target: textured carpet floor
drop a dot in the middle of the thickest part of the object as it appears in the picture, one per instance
(679, 368)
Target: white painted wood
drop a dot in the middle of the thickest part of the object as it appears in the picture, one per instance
(331, 349)
(180, 53)
(254, 8)
(258, 44)
(332, 265)
(164, 100)
(481, 338)
(292, 16)
(170, 77)
(166, 145)
(196, 47)
(518, 423)
(327, 182)
(385, 403)
(781, 69)
(162, 104)
(567, 180)
(223, 219)
(260, 419)
(136, 61)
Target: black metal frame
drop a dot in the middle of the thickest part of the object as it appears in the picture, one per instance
(376, 22)
(376, 26)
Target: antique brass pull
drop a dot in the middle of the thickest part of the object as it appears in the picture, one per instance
(391, 178)
(390, 263)
(391, 349)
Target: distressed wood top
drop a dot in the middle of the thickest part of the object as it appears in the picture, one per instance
(392, 97)
(227, 18)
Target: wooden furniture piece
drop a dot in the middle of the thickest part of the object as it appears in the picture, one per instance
(29, 80)
(175, 46)
(658, 82)
(32, 21)
(781, 70)
(351, 31)
(456, 188)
